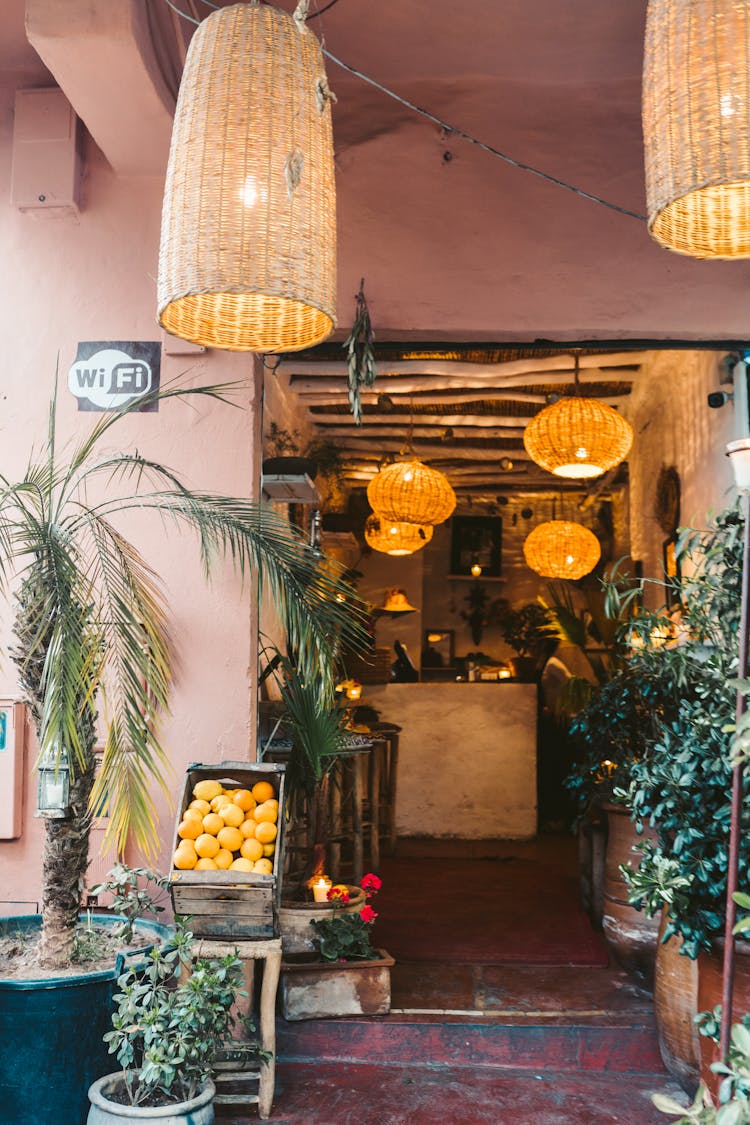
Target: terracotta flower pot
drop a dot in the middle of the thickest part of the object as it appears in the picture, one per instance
(313, 989)
(297, 935)
(630, 934)
(675, 1009)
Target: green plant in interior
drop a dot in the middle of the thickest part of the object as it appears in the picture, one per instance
(348, 937)
(91, 624)
(525, 629)
(360, 353)
(171, 1017)
(733, 1106)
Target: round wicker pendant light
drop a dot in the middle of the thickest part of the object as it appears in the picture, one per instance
(396, 538)
(410, 492)
(561, 549)
(247, 260)
(696, 126)
(578, 438)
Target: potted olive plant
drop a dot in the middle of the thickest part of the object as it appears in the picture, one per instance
(89, 615)
(172, 1016)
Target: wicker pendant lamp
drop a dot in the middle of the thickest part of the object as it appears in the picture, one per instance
(696, 126)
(395, 538)
(561, 549)
(410, 492)
(247, 260)
(578, 437)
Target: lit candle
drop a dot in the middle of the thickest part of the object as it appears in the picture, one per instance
(320, 888)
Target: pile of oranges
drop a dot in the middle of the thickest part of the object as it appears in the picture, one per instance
(228, 829)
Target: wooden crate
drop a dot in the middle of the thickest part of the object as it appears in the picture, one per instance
(231, 904)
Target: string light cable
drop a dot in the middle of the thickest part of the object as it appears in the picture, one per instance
(454, 130)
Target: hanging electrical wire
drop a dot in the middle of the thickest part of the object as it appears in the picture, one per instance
(521, 165)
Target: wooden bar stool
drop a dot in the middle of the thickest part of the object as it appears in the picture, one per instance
(233, 1071)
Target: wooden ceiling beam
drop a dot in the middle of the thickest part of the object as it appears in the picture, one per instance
(483, 421)
(562, 363)
(432, 452)
(405, 384)
(434, 432)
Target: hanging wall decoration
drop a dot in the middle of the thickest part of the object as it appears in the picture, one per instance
(360, 354)
(578, 437)
(247, 260)
(561, 549)
(696, 126)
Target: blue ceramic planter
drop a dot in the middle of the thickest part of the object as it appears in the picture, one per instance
(51, 1030)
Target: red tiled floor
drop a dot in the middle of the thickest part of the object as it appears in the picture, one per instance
(341, 1094)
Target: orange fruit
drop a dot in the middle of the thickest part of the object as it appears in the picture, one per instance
(207, 846)
(194, 814)
(245, 799)
(212, 823)
(263, 867)
(201, 807)
(205, 864)
(230, 838)
(189, 829)
(252, 849)
(207, 790)
(268, 811)
(265, 832)
(241, 864)
(223, 859)
(232, 815)
(185, 860)
(268, 849)
(263, 791)
(247, 828)
(217, 801)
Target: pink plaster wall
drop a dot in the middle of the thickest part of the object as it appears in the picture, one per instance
(94, 279)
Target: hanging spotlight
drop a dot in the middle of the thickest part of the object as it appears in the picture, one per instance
(247, 260)
(395, 538)
(410, 492)
(561, 549)
(578, 437)
(696, 127)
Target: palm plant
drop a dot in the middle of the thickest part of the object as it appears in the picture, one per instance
(91, 627)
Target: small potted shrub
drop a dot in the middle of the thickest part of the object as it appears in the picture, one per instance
(172, 1016)
(525, 630)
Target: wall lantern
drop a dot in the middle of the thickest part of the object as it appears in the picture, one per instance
(696, 126)
(410, 492)
(53, 786)
(578, 437)
(396, 538)
(247, 259)
(561, 549)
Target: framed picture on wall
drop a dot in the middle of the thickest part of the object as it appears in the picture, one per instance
(476, 539)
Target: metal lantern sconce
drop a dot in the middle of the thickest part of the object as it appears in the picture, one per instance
(247, 259)
(578, 438)
(696, 127)
(53, 786)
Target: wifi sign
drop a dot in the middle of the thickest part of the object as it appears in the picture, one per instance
(110, 376)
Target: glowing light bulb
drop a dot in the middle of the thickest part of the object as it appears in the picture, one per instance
(476, 570)
(582, 453)
(249, 192)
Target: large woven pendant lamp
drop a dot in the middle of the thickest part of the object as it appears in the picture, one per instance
(247, 259)
(696, 126)
(396, 538)
(561, 549)
(411, 492)
(578, 437)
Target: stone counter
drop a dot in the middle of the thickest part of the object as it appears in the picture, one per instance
(467, 757)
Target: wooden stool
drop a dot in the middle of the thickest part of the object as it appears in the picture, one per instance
(390, 732)
(268, 951)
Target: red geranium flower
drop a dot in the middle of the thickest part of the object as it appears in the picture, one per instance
(367, 914)
(338, 894)
(371, 883)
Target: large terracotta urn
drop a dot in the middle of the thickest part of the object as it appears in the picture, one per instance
(710, 966)
(630, 934)
(675, 1009)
